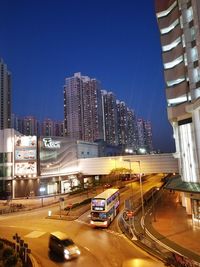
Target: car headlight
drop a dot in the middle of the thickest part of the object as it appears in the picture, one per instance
(66, 252)
(78, 252)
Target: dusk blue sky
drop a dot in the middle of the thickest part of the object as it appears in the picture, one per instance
(114, 41)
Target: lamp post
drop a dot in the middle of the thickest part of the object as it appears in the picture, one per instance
(59, 179)
(141, 188)
(130, 171)
(141, 193)
(115, 168)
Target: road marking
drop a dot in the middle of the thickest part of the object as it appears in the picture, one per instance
(80, 221)
(106, 230)
(113, 232)
(35, 234)
(87, 249)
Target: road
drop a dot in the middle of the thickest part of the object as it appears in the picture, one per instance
(99, 247)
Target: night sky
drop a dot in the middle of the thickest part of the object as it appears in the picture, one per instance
(114, 41)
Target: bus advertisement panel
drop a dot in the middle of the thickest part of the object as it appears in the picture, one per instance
(104, 208)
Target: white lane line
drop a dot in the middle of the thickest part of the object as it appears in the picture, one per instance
(157, 240)
(87, 249)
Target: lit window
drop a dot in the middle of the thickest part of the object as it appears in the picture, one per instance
(189, 14)
(173, 63)
(177, 100)
(188, 153)
(172, 45)
(194, 53)
(196, 75)
(171, 27)
(183, 40)
(185, 59)
(196, 93)
(167, 11)
(174, 82)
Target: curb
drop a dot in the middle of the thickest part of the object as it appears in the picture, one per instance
(34, 262)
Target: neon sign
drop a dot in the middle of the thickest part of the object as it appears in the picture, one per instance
(49, 143)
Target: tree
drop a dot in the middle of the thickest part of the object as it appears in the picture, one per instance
(117, 173)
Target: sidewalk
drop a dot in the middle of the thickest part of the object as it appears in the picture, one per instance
(173, 222)
(38, 202)
(173, 227)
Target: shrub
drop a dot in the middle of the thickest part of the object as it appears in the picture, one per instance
(7, 252)
(11, 261)
(86, 201)
(1, 245)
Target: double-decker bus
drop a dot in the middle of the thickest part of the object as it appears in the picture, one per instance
(104, 207)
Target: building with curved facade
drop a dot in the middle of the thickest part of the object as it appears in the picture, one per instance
(179, 25)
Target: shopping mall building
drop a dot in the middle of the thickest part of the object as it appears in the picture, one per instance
(32, 166)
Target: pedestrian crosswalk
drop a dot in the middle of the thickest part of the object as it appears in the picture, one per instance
(35, 234)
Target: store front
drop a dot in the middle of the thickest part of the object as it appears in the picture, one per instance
(190, 197)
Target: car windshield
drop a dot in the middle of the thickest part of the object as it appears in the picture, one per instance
(67, 242)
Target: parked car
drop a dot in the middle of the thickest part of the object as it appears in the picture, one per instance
(62, 245)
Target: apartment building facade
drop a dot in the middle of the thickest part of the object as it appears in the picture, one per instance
(83, 119)
(5, 100)
(179, 25)
(110, 118)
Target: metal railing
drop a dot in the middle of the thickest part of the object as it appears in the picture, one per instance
(132, 225)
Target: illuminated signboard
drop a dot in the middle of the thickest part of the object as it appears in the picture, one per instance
(98, 204)
(50, 143)
(25, 141)
(25, 168)
(25, 154)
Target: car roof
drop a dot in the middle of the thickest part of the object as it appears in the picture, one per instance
(60, 235)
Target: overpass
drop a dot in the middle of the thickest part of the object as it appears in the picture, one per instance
(151, 163)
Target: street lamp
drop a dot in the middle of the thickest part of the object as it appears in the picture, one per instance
(59, 178)
(130, 171)
(141, 192)
(141, 188)
(116, 171)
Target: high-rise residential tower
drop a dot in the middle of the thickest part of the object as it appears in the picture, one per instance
(49, 127)
(132, 130)
(5, 99)
(122, 111)
(141, 133)
(110, 117)
(83, 118)
(30, 126)
(148, 136)
(179, 24)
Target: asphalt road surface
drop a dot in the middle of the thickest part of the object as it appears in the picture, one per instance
(99, 247)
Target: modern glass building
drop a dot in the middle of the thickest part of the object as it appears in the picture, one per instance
(179, 25)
